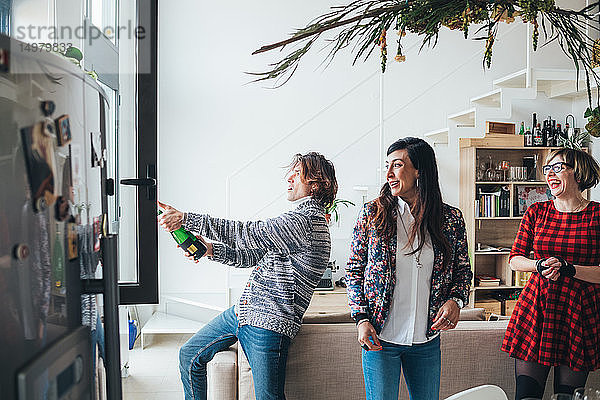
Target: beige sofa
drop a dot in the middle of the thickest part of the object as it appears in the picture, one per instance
(325, 362)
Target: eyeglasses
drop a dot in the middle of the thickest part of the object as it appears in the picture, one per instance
(556, 167)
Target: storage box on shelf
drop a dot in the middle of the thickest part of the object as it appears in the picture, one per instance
(499, 179)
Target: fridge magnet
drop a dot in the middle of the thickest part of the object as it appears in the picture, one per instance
(48, 128)
(47, 107)
(97, 233)
(72, 241)
(63, 130)
(38, 151)
(62, 209)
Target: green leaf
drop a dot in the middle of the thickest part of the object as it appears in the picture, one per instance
(588, 113)
(74, 52)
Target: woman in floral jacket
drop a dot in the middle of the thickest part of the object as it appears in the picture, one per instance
(408, 275)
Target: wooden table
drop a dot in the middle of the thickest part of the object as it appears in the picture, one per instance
(328, 306)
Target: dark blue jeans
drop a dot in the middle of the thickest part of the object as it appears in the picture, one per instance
(266, 352)
(421, 364)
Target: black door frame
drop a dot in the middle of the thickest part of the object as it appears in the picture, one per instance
(145, 290)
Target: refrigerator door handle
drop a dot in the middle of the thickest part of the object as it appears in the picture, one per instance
(139, 182)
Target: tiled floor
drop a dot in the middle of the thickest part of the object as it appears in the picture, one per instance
(154, 371)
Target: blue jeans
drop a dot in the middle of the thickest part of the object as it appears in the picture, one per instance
(266, 352)
(421, 363)
(98, 338)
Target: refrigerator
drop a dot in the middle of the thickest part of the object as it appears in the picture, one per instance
(58, 262)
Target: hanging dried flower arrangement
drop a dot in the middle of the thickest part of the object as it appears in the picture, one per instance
(365, 24)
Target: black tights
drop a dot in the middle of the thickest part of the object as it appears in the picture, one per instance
(531, 379)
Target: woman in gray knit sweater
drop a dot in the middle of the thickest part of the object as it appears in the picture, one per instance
(290, 253)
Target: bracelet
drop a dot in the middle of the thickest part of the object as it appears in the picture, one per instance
(566, 268)
(539, 267)
(361, 321)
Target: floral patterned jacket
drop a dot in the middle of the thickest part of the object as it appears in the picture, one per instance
(371, 269)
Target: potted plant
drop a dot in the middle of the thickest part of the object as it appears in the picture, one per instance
(332, 209)
(593, 125)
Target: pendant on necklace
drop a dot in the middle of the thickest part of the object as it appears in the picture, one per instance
(419, 265)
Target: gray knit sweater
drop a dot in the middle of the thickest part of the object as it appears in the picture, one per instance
(290, 253)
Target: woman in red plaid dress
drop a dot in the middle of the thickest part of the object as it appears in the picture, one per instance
(556, 322)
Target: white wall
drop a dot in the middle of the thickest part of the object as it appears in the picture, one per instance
(213, 123)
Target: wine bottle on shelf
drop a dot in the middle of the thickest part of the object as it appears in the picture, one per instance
(549, 136)
(538, 139)
(522, 130)
(558, 134)
(528, 140)
(188, 242)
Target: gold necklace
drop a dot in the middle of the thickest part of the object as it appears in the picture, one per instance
(417, 256)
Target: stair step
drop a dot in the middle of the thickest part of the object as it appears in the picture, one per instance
(490, 99)
(571, 91)
(515, 80)
(464, 118)
(439, 136)
(570, 75)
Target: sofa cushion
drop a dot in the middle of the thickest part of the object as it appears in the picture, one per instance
(324, 362)
(221, 374)
(471, 356)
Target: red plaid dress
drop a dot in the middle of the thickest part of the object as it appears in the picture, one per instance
(557, 322)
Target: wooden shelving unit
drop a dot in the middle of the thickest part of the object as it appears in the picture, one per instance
(494, 231)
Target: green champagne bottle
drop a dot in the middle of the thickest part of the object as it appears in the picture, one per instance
(188, 242)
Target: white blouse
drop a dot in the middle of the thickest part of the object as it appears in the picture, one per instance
(406, 323)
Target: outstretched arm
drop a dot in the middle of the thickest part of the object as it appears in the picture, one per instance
(284, 234)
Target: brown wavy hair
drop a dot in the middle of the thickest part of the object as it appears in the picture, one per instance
(428, 207)
(319, 173)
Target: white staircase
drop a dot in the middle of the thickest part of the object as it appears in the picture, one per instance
(496, 105)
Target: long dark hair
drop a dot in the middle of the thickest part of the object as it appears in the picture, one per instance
(427, 210)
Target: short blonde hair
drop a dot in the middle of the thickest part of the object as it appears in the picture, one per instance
(587, 171)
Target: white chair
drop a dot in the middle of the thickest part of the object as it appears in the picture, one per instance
(483, 392)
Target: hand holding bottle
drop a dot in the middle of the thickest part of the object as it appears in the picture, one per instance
(172, 222)
(209, 249)
(171, 219)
